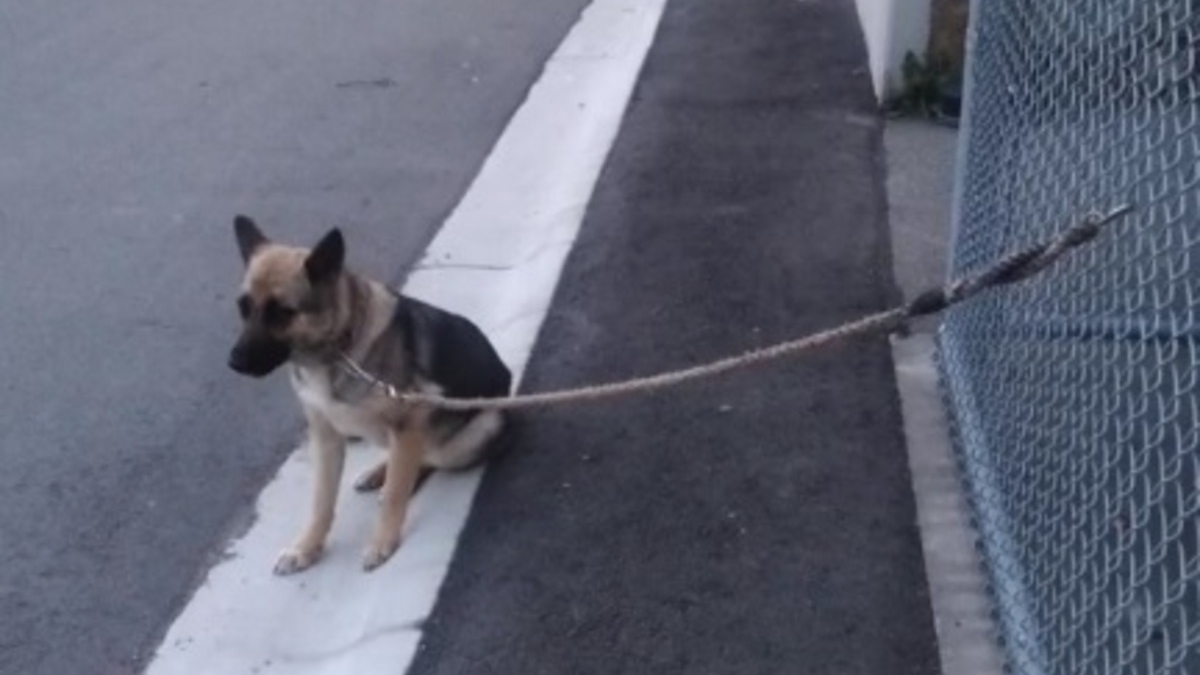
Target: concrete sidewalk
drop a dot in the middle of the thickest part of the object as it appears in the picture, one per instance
(920, 159)
(763, 522)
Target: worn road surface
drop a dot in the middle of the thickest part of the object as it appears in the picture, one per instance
(130, 136)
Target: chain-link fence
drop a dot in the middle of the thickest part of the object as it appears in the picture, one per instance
(1076, 396)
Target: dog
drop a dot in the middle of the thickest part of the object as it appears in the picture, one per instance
(303, 308)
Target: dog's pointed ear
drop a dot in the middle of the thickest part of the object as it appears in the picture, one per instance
(325, 260)
(249, 237)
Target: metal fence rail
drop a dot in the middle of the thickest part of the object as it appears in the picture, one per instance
(1075, 397)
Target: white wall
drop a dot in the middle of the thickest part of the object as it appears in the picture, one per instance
(892, 28)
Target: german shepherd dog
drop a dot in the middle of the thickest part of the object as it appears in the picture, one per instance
(303, 308)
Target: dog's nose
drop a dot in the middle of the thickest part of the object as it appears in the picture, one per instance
(257, 358)
(237, 361)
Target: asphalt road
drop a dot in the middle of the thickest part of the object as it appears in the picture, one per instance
(129, 136)
(758, 523)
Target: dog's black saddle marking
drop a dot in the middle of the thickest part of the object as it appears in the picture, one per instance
(450, 351)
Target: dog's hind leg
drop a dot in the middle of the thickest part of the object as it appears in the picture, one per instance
(471, 444)
(372, 479)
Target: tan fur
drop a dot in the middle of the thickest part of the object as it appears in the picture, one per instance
(453, 454)
(275, 271)
(381, 421)
(459, 451)
(406, 449)
(363, 310)
(308, 326)
(371, 479)
(328, 450)
(278, 271)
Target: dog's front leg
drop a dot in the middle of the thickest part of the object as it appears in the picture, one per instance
(328, 450)
(406, 447)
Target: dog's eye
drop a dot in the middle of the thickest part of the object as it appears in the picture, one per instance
(244, 307)
(275, 314)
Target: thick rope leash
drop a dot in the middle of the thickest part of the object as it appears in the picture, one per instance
(1010, 269)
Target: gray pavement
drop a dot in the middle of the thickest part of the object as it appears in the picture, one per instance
(759, 523)
(131, 134)
(920, 188)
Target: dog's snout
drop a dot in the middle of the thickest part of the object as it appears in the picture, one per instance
(257, 356)
(238, 361)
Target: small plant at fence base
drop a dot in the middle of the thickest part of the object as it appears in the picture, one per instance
(930, 89)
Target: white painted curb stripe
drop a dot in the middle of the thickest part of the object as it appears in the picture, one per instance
(497, 260)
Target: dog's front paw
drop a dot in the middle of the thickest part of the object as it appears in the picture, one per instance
(296, 559)
(379, 552)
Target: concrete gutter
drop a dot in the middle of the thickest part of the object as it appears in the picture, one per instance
(920, 160)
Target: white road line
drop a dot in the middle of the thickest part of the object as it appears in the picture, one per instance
(497, 260)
